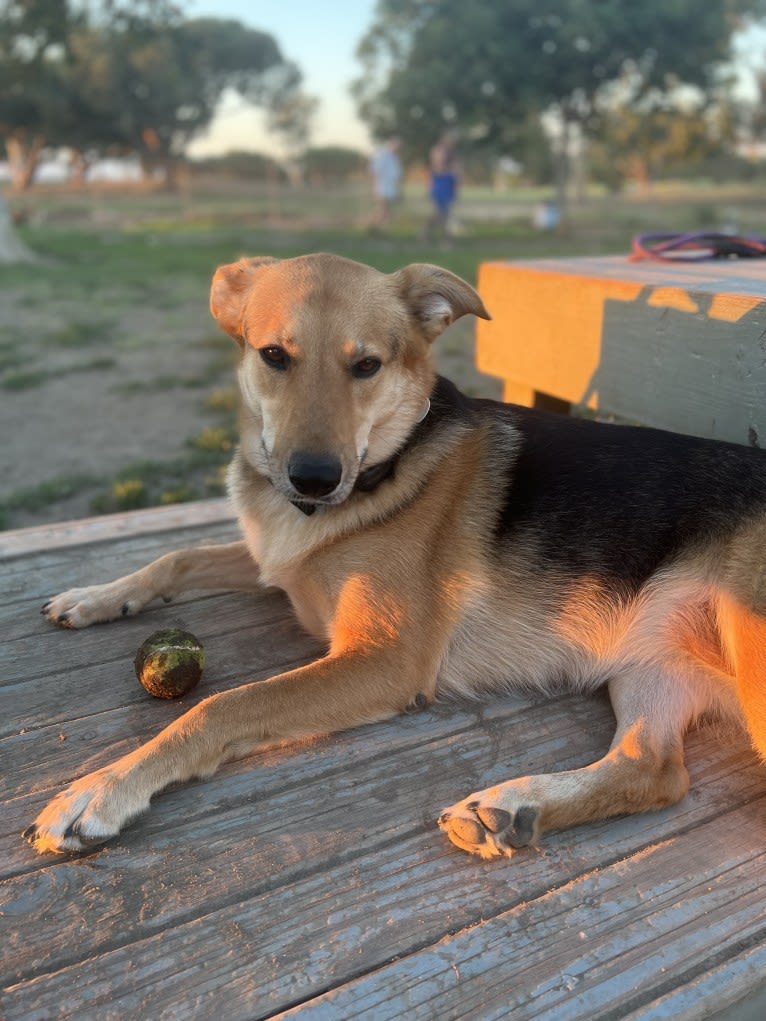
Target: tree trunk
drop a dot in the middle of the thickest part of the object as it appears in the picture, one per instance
(639, 171)
(562, 173)
(11, 248)
(169, 167)
(23, 159)
(78, 169)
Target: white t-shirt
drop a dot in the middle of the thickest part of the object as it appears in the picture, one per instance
(386, 168)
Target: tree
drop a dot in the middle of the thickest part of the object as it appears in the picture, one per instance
(33, 35)
(131, 75)
(751, 113)
(644, 144)
(290, 116)
(333, 164)
(157, 80)
(483, 68)
(247, 165)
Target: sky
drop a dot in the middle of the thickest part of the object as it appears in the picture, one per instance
(320, 36)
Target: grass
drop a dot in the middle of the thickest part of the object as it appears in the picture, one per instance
(130, 273)
(215, 439)
(23, 380)
(81, 333)
(160, 384)
(31, 378)
(42, 496)
(193, 476)
(225, 400)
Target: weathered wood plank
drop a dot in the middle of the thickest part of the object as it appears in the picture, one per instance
(46, 649)
(475, 751)
(92, 675)
(395, 894)
(365, 806)
(734, 990)
(581, 950)
(40, 575)
(109, 527)
(312, 879)
(310, 811)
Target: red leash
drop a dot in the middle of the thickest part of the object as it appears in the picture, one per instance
(696, 246)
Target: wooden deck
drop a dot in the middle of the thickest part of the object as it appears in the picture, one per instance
(312, 881)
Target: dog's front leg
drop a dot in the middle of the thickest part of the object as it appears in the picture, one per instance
(228, 566)
(644, 769)
(334, 693)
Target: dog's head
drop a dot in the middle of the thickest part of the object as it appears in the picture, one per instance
(336, 364)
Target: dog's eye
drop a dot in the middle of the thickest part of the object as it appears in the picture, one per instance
(275, 357)
(365, 368)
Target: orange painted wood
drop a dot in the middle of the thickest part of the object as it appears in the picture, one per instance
(679, 346)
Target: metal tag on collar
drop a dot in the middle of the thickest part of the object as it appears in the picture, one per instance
(424, 412)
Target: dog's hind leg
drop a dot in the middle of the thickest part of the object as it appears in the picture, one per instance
(743, 635)
(228, 566)
(643, 769)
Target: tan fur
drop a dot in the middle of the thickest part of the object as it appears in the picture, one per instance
(399, 583)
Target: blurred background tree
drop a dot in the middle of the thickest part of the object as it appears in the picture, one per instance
(587, 69)
(329, 164)
(656, 141)
(243, 165)
(604, 91)
(132, 77)
(33, 50)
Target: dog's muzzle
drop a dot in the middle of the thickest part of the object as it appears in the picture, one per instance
(314, 475)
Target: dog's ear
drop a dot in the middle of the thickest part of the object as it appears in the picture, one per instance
(436, 297)
(229, 291)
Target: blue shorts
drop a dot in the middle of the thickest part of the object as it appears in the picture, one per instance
(443, 190)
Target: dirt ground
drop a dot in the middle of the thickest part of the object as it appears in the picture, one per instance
(132, 394)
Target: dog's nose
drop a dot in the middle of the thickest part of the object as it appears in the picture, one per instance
(314, 474)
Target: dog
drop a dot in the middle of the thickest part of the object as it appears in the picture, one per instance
(443, 545)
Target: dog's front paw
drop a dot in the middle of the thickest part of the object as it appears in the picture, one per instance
(493, 822)
(80, 607)
(86, 814)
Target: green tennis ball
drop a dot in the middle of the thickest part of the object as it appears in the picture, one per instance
(170, 663)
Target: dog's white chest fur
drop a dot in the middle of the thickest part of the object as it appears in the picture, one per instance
(277, 543)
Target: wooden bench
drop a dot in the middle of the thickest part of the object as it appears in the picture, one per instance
(680, 346)
(312, 882)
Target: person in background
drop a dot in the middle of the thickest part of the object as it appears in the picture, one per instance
(386, 170)
(444, 173)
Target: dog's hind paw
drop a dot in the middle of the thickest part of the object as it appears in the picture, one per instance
(490, 826)
(85, 815)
